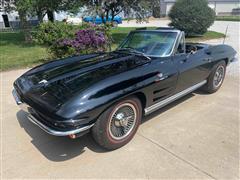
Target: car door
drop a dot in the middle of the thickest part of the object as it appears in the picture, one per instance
(166, 79)
(164, 83)
(192, 67)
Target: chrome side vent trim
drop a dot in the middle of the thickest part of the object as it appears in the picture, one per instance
(168, 100)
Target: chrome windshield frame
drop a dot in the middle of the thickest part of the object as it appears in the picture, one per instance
(154, 56)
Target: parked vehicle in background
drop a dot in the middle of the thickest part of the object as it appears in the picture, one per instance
(74, 20)
(98, 20)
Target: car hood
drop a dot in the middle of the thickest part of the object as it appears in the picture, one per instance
(54, 83)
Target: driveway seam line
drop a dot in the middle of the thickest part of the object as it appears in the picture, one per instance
(178, 157)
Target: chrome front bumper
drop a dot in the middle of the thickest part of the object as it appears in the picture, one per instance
(55, 132)
(22, 105)
(47, 129)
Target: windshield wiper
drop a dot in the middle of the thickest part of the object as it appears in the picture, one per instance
(132, 50)
(127, 49)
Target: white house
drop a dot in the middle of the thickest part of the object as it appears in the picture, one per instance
(221, 7)
(12, 19)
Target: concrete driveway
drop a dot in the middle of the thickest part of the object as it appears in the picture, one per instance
(196, 137)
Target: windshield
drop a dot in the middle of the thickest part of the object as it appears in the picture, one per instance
(151, 43)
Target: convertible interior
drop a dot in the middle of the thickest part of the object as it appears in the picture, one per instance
(193, 48)
(160, 48)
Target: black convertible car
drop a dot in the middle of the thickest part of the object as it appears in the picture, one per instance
(108, 93)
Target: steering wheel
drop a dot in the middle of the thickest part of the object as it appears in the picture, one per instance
(193, 49)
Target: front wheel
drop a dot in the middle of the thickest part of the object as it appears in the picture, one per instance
(118, 124)
(216, 77)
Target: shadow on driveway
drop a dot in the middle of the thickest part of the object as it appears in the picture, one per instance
(56, 148)
(63, 148)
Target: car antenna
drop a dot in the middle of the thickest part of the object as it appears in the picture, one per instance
(225, 35)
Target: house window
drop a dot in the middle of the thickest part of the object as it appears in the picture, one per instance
(6, 21)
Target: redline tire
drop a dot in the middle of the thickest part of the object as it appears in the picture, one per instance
(101, 131)
(218, 74)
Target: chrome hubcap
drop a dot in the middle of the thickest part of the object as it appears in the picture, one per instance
(218, 77)
(122, 121)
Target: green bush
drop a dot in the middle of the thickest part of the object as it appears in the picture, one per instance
(48, 33)
(192, 16)
(62, 39)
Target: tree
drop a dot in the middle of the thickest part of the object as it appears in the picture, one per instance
(156, 12)
(140, 9)
(111, 8)
(23, 8)
(47, 7)
(192, 16)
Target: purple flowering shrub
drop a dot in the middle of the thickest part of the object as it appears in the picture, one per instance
(64, 40)
(85, 41)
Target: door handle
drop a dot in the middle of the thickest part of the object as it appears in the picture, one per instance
(160, 77)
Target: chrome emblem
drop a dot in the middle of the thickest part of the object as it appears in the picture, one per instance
(44, 81)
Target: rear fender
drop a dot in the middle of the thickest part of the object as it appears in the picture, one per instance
(221, 52)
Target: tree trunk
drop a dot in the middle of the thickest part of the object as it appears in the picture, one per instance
(103, 19)
(50, 15)
(40, 16)
(156, 12)
(25, 26)
(113, 15)
(107, 15)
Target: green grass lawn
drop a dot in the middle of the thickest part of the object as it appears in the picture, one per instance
(227, 18)
(15, 53)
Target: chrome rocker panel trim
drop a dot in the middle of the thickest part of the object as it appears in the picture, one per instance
(163, 103)
(55, 132)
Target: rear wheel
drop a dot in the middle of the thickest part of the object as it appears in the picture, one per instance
(118, 124)
(216, 78)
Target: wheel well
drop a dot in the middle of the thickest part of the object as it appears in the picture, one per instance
(141, 96)
(226, 60)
